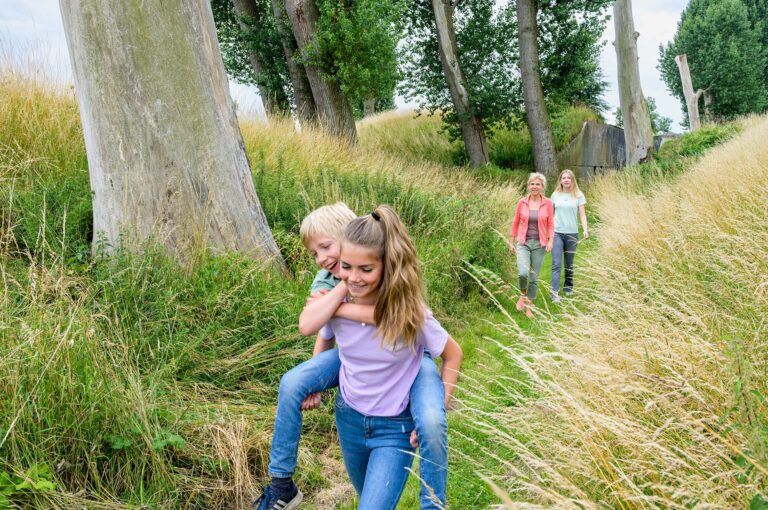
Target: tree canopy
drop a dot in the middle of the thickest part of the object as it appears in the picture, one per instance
(726, 42)
(486, 34)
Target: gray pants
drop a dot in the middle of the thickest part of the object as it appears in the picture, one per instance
(564, 247)
(529, 258)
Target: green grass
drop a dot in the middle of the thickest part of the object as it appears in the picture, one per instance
(140, 382)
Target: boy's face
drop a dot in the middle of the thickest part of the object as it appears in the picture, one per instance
(325, 250)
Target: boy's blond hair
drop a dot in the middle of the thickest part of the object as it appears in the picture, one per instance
(328, 220)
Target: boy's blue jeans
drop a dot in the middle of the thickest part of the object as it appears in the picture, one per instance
(377, 454)
(427, 407)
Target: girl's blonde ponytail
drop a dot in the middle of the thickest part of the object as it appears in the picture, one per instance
(399, 311)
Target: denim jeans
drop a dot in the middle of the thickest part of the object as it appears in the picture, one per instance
(319, 373)
(377, 454)
(564, 246)
(428, 410)
(427, 404)
(529, 259)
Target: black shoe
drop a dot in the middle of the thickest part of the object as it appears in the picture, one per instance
(272, 500)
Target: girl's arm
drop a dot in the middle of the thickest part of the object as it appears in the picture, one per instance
(357, 313)
(321, 345)
(318, 311)
(583, 216)
(449, 372)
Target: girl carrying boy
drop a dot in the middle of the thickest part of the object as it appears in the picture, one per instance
(384, 374)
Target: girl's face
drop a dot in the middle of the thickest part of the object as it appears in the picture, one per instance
(535, 187)
(361, 270)
(566, 180)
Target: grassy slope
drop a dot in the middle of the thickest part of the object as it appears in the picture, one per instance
(106, 368)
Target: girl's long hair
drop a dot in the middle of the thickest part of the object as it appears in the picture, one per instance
(575, 191)
(399, 311)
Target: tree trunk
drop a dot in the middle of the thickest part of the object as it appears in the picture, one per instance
(302, 92)
(332, 107)
(691, 97)
(638, 133)
(275, 100)
(369, 107)
(166, 158)
(472, 129)
(544, 157)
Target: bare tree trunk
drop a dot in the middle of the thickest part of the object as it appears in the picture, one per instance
(691, 97)
(332, 107)
(369, 107)
(544, 157)
(302, 92)
(472, 129)
(638, 133)
(165, 154)
(275, 99)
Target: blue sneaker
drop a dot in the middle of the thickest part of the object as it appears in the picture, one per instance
(272, 500)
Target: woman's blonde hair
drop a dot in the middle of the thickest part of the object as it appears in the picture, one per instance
(575, 191)
(539, 176)
(399, 311)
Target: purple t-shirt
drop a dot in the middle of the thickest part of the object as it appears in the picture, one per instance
(375, 380)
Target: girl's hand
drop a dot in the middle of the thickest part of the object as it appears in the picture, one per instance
(549, 246)
(586, 235)
(311, 402)
(414, 439)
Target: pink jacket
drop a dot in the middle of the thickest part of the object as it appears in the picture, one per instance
(546, 221)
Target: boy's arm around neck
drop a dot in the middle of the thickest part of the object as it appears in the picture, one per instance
(357, 313)
(318, 311)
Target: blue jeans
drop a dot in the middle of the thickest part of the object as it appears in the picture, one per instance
(427, 404)
(529, 258)
(428, 410)
(318, 373)
(377, 454)
(564, 246)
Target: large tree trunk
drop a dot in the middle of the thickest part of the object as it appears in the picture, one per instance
(691, 97)
(332, 107)
(166, 158)
(275, 99)
(302, 92)
(472, 129)
(638, 133)
(544, 157)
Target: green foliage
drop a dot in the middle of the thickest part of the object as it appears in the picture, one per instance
(263, 39)
(37, 478)
(675, 153)
(355, 45)
(486, 35)
(659, 123)
(725, 42)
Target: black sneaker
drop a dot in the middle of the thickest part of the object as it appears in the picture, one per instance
(272, 500)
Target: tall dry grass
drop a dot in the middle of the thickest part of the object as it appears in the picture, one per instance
(650, 391)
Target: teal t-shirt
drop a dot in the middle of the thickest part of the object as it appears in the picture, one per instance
(567, 212)
(324, 280)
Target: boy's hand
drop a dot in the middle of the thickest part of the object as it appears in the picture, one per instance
(414, 439)
(315, 295)
(311, 402)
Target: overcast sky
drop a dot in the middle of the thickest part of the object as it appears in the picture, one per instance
(34, 27)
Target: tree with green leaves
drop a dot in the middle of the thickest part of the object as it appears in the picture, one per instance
(252, 51)
(486, 40)
(725, 44)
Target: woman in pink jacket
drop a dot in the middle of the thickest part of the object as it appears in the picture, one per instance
(533, 230)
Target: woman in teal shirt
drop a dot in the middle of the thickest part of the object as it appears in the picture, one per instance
(569, 203)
